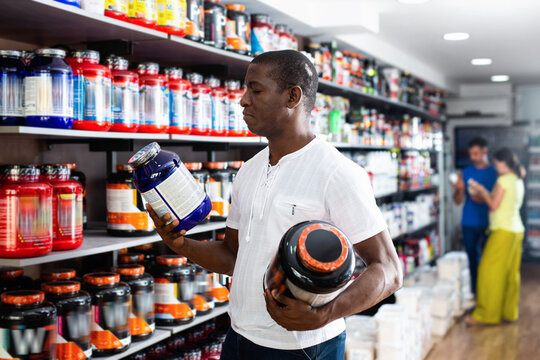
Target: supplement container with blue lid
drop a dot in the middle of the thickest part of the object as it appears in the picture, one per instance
(11, 88)
(48, 90)
(168, 186)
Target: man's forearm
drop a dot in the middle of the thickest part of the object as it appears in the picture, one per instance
(367, 290)
(458, 196)
(214, 256)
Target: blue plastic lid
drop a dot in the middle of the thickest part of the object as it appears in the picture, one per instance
(144, 155)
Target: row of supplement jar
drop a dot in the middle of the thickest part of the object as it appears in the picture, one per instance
(79, 93)
(111, 311)
(41, 209)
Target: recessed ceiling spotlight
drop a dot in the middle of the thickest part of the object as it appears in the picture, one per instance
(413, 2)
(457, 36)
(500, 78)
(481, 61)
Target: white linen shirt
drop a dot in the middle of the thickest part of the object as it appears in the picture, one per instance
(314, 183)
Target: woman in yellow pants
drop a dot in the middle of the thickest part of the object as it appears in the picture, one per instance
(498, 273)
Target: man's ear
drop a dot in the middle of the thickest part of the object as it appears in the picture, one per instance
(295, 96)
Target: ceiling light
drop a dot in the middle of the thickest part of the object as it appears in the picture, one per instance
(413, 2)
(457, 36)
(481, 61)
(500, 78)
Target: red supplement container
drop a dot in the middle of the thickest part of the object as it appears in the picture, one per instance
(91, 91)
(143, 13)
(220, 107)
(262, 34)
(25, 214)
(237, 125)
(67, 207)
(153, 100)
(125, 96)
(202, 105)
(181, 102)
(117, 9)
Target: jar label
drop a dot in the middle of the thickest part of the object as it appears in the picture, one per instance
(67, 216)
(154, 105)
(110, 325)
(236, 118)
(220, 111)
(27, 342)
(122, 210)
(74, 334)
(168, 306)
(219, 193)
(11, 95)
(48, 95)
(125, 103)
(142, 319)
(142, 9)
(178, 195)
(97, 99)
(202, 111)
(172, 13)
(181, 109)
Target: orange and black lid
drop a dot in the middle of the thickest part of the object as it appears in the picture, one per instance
(125, 167)
(58, 274)
(23, 297)
(130, 269)
(322, 248)
(193, 166)
(144, 247)
(171, 259)
(130, 258)
(216, 165)
(235, 164)
(61, 287)
(236, 7)
(10, 272)
(101, 278)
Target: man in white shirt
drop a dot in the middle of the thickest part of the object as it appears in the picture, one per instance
(296, 178)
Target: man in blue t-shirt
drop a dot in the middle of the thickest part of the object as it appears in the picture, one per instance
(475, 218)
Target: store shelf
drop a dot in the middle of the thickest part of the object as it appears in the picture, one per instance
(328, 87)
(198, 320)
(59, 133)
(158, 336)
(533, 186)
(375, 147)
(533, 221)
(218, 139)
(98, 242)
(424, 188)
(417, 230)
(533, 204)
(534, 149)
(534, 167)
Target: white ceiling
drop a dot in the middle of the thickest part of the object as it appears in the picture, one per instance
(410, 36)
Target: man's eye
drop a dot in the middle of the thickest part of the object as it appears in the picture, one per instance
(255, 91)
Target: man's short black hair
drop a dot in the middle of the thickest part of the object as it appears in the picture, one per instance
(292, 68)
(478, 141)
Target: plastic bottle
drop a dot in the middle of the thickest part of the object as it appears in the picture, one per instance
(315, 262)
(153, 99)
(202, 105)
(110, 308)
(126, 214)
(181, 102)
(214, 23)
(220, 107)
(67, 207)
(142, 320)
(219, 189)
(237, 125)
(80, 177)
(172, 16)
(238, 30)
(74, 307)
(202, 176)
(92, 87)
(195, 20)
(168, 187)
(173, 289)
(125, 96)
(262, 34)
(23, 314)
(12, 278)
(25, 214)
(12, 70)
(117, 9)
(48, 74)
(143, 13)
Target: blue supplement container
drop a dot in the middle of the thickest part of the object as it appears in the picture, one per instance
(48, 90)
(168, 186)
(76, 3)
(11, 88)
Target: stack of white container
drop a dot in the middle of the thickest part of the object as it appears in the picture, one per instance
(361, 337)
